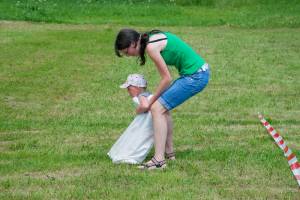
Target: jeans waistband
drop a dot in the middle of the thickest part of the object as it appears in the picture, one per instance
(204, 68)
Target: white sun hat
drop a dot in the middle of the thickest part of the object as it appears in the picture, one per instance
(137, 80)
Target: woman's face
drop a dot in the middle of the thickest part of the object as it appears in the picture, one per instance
(132, 50)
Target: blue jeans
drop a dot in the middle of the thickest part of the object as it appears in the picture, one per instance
(183, 88)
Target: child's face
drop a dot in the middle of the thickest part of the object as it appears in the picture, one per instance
(134, 91)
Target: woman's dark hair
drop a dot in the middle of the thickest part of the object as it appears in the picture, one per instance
(128, 36)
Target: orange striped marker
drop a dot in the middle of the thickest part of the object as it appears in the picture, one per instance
(292, 160)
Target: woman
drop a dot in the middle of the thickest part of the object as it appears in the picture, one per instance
(164, 49)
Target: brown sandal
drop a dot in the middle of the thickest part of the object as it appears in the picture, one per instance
(154, 165)
(170, 156)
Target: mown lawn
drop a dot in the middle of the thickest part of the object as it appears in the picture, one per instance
(61, 110)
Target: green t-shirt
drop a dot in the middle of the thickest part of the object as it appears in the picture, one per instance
(179, 54)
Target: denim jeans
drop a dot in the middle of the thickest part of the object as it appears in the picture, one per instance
(183, 88)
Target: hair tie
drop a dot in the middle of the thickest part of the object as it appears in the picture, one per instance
(145, 35)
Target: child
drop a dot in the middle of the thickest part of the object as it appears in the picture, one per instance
(137, 140)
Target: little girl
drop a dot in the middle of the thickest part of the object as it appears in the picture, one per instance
(137, 140)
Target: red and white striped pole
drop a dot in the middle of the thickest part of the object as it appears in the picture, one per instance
(292, 160)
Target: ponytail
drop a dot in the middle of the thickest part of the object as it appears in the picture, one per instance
(143, 44)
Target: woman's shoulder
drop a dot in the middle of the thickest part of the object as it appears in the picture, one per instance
(157, 42)
(157, 36)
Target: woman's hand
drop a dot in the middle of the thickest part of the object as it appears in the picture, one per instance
(144, 105)
(142, 109)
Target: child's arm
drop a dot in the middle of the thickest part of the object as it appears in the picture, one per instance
(144, 103)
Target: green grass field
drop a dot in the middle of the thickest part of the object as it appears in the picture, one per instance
(61, 108)
(234, 13)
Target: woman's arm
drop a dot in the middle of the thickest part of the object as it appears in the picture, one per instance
(154, 53)
(144, 103)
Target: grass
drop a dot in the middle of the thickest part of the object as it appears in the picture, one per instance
(61, 109)
(254, 14)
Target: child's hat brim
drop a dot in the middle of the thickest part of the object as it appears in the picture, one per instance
(124, 85)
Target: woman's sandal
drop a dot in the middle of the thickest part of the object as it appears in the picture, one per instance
(154, 165)
(170, 156)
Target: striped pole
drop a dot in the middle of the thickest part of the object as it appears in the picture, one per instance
(292, 160)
